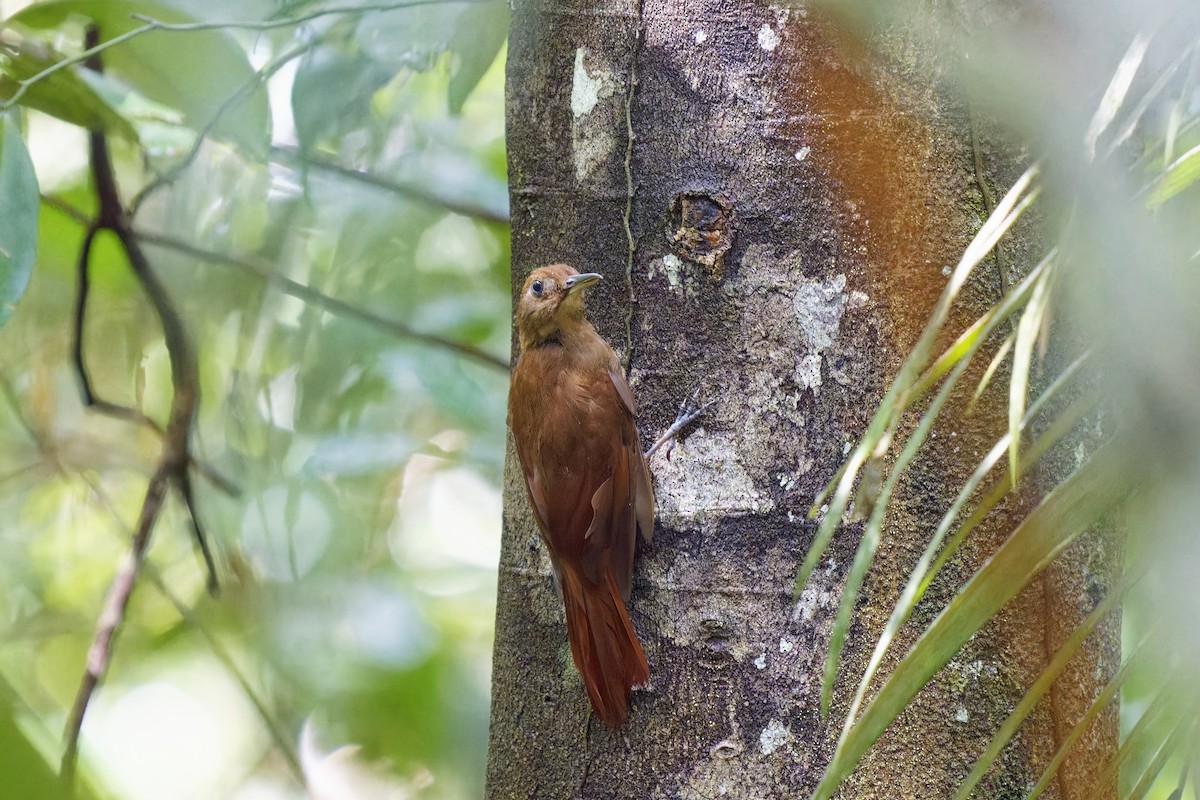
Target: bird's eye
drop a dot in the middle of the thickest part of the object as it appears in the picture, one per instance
(537, 288)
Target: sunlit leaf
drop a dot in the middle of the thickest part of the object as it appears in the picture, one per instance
(922, 573)
(900, 395)
(1114, 95)
(988, 373)
(874, 531)
(198, 72)
(1178, 176)
(19, 208)
(1018, 385)
(62, 94)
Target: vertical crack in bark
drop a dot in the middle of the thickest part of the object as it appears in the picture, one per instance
(630, 188)
(989, 203)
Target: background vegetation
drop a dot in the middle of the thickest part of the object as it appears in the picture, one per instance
(312, 187)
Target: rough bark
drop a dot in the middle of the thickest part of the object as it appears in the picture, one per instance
(774, 207)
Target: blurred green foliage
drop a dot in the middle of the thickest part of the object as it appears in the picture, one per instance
(359, 154)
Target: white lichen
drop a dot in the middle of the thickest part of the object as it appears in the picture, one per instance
(768, 39)
(819, 306)
(774, 736)
(705, 478)
(588, 90)
(671, 267)
(591, 143)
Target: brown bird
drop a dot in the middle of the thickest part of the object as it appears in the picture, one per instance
(572, 416)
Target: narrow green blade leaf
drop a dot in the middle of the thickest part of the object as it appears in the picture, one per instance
(1175, 738)
(1039, 688)
(921, 574)
(1101, 702)
(1118, 87)
(1053, 525)
(899, 396)
(874, 532)
(988, 373)
(19, 206)
(1143, 729)
(1018, 386)
(1181, 174)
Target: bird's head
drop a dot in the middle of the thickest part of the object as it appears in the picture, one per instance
(551, 304)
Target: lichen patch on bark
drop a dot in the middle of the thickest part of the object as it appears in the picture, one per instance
(592, 140)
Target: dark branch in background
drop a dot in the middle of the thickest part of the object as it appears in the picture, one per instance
(315, 298)
(274, 727)
(175, 455)
(411, 189)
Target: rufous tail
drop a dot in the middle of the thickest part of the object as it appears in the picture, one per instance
(604, 644)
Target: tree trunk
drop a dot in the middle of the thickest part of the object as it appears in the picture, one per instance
(775, 208)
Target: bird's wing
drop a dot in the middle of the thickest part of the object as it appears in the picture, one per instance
(641, 489)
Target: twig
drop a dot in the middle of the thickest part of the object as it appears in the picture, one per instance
(630, 186)
(174, 457)
(313, 297)
(97, 47)
(111, 617)
(293, 156)
(248, 88)
(279, 736)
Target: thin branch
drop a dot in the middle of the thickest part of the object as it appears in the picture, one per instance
(414, 190)
(314, 297)
(97, 47)
(111, 616)
(256, 80)
(279, 736)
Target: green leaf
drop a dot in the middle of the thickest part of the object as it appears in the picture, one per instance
(1018, 385)
(922, 573)
(874, 532)
(478, 37)
(1101, 702)
(198, 72)
(332, 93)
(1052, 526)
(1029, 701)
(20, 204)
(1181, 174)
(62, 94)
(903, 391)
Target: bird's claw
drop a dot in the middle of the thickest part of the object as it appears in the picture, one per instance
(690, 410)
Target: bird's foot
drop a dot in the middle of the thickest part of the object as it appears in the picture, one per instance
(689, 410)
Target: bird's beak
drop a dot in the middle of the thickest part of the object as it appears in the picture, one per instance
(582, 281)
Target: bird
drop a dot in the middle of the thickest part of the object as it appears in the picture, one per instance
(573, 421)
